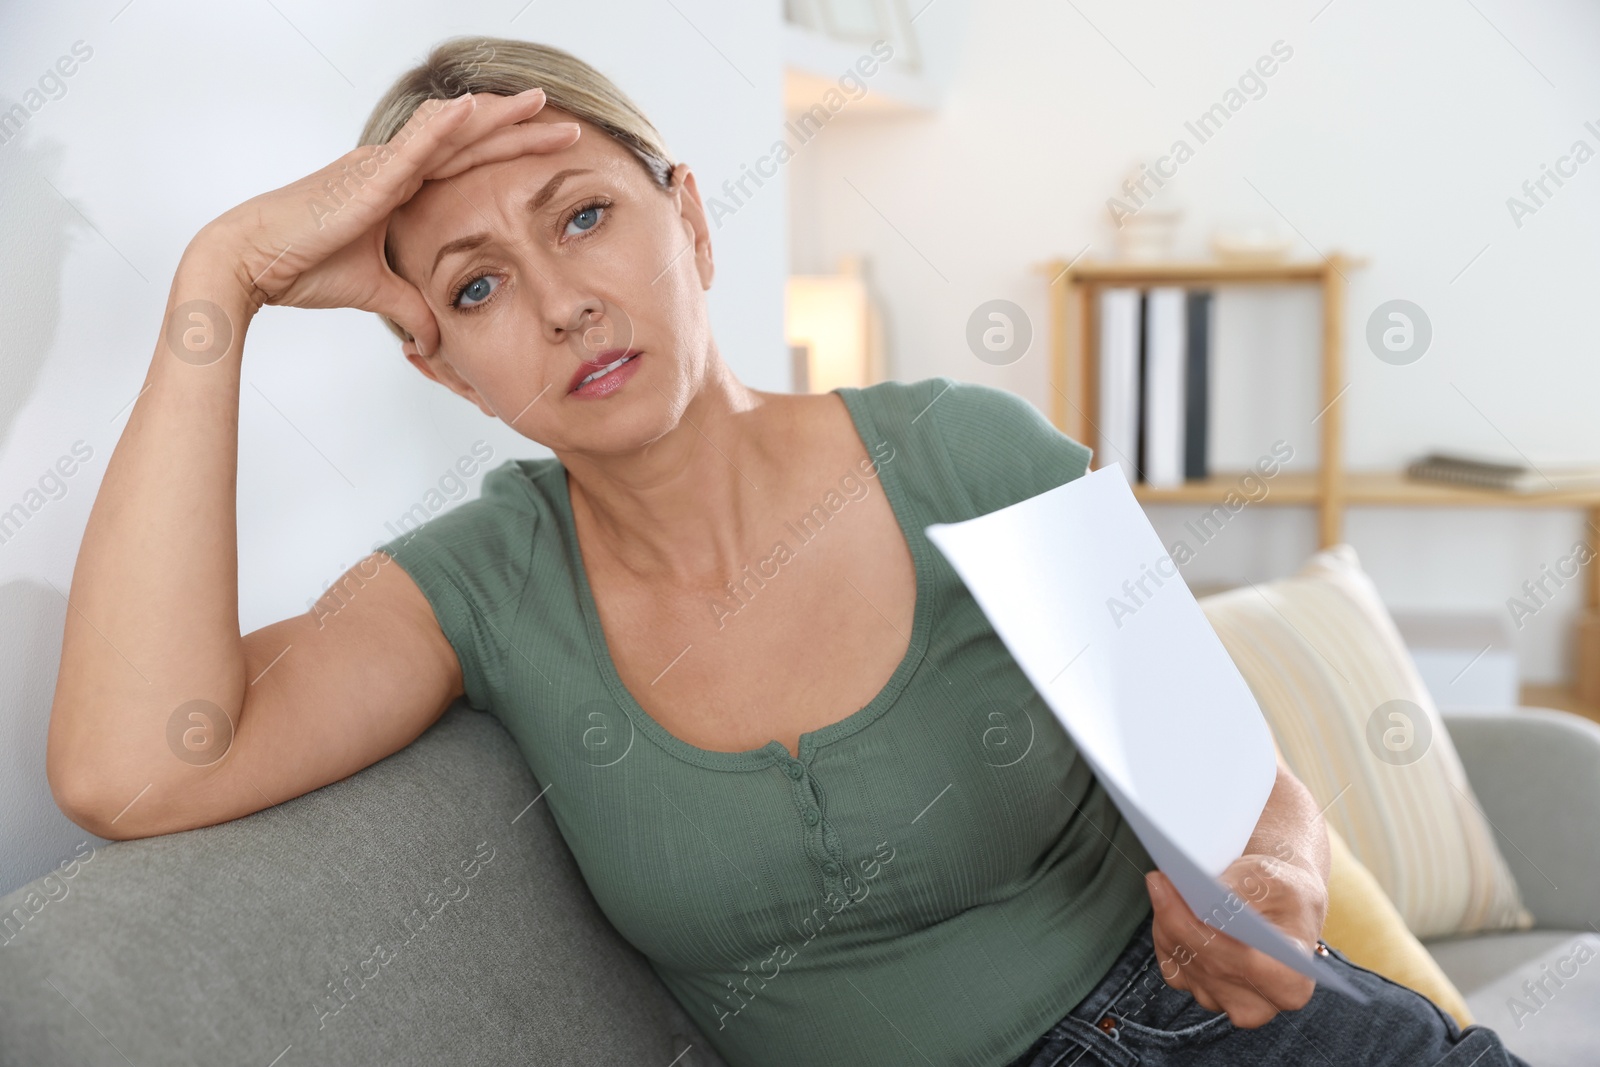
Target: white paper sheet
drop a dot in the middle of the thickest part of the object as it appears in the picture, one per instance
(1080, 589)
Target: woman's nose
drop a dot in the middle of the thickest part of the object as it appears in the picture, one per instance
(595, 326)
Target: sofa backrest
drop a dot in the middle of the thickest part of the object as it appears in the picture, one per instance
(425, 910)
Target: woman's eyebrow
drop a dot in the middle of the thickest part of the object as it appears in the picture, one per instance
(551, 187)
(537, 201)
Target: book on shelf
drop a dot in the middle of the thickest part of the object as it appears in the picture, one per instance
(1164, 365)
(1197, 393)
(1154, 352)
(1454, 468)
(1119, 380)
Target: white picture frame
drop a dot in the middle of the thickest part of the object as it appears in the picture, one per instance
(863, 22)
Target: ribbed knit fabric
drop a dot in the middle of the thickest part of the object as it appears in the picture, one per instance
(936, 879)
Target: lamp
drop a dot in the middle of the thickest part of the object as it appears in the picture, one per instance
(833, 329)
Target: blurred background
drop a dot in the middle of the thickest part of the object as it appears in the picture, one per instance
(898, 190)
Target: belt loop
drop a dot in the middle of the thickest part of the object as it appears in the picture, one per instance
(1102, 1046)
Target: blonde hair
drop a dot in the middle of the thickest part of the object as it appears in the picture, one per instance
(505, 66)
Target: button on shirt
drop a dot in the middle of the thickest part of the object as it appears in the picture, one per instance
(936, 878)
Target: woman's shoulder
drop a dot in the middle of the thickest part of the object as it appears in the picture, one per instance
(473, 559)
(953, 404)
(498, 525)
(1000, 446)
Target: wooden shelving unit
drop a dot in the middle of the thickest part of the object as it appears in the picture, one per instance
(1379, 488)
(1332, 489)
(1075, 382)
(1559, 697)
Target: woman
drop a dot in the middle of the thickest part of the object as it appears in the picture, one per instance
(796, 766)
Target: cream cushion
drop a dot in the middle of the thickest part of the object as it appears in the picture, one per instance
(1356, 724)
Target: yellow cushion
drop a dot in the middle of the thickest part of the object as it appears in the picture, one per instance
(1363, 924)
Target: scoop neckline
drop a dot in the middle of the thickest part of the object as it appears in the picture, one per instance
(773, 752)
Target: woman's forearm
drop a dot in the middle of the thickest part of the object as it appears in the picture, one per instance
(1291, 827)
(153, 619)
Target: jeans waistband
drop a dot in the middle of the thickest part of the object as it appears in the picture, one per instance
(1130, 963)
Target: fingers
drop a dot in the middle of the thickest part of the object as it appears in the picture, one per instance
(1283, 986)
(489, 113)
(436, 131)
(1222, 973)
(415, 143)
(1180, 928)
(1220, 987)
(508, 143)
(1245, 1007)
(401, 301)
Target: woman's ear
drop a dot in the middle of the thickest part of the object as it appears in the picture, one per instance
(687, 198)
(414, 356)
(435, 369)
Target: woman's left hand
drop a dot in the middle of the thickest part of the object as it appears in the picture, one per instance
(1223, 973)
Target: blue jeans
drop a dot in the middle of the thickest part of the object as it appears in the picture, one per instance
(1133, 1017)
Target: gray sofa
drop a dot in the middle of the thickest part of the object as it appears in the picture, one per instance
(1536, 773)
(419, 912)
(426, 911)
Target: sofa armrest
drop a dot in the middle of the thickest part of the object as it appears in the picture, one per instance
(1536, 773)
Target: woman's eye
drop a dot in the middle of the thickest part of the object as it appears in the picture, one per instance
(476, 291)
(587, 219)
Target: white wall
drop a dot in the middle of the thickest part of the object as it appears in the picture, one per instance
(1396, 132)
(185, 109)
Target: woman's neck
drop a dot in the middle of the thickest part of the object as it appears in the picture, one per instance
(688, 508)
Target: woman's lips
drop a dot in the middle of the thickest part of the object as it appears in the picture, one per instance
(609, 382)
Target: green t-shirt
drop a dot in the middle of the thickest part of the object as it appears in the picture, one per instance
(936, 879)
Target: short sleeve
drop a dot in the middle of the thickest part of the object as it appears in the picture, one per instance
(1002, 448)
(471, 562)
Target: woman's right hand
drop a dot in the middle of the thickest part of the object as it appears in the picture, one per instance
(299, 246)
